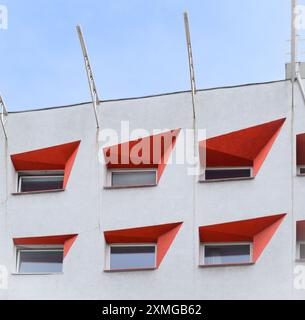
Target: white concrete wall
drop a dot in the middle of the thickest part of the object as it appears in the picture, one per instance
(88, 209)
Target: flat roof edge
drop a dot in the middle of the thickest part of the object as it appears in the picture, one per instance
(149, 96)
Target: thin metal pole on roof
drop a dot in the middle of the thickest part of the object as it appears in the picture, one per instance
(293, 41)
(191, 61)
(3, 116)
(193, 92)
(93, 90)
(300, 82)
(294, 77)
(295, 67)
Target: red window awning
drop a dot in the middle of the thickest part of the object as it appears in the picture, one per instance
(65, 240)
(301, 230)
(60, 157)
(148, 152)
(300, 149)
(243, 148)
(163, 235)
(259, 231)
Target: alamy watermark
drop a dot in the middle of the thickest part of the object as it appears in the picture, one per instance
(299, 279)
(3, 277)
(143, 147)
(3, 17)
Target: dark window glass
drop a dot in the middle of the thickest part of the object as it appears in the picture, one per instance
(32, 261)
(302, 251)
(40, 183)
(132, 257)
(227, 174)
(302, 170)
(133, 178)
(226, 254)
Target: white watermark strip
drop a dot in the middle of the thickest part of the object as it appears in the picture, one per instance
(3, 17)
(145, 150)
(299, 279)
(3, 277)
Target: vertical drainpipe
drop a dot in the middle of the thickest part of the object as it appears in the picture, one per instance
(95, 104)
(99, 177)
(294, 71)
(4, 116)
(195, 142)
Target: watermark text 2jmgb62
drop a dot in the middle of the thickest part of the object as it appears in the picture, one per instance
(3, 17)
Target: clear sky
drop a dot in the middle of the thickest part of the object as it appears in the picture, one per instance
(137, 47)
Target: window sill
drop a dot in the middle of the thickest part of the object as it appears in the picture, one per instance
(222, 180)
(126, 270)
(36, 273)
(37, 192)
(300, 260)
(226, 265)
(129, 187)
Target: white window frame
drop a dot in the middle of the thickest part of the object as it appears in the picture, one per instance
(38, 174)
(108, 254)
(209, 244)
(299, 243)
(202, 176)
(299, 170)
(111, 171)
(37, 248)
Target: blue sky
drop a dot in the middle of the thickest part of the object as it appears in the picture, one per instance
(137, 47)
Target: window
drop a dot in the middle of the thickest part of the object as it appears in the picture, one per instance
(39, 260)
(302, 250)
(214, 174)
(40, 181)
(132, 257)
(301, 171)
(133, 178)
(226, 253)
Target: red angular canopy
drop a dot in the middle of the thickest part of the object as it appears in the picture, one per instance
(301, 149)
(65, 240)
(258, 230)
(243, 148)
(60, 157)
(163, 235)
(148, 152)
(301, 230)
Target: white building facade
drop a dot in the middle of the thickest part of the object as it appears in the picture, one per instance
(86, 208)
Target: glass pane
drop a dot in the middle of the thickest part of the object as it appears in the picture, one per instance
(227, 254)
(227, 174)
(40, 261)
(132, 257)
(135, 178)
(41, 183)
(302, 251)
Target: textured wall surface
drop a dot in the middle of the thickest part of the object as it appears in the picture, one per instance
(87, 209)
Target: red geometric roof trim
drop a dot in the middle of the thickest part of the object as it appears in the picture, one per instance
(242, 148)
(65, 240)
(301, 230)
(259, 231)
(60, 157)
(301, 149)
(163, 235)
(148, 152)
